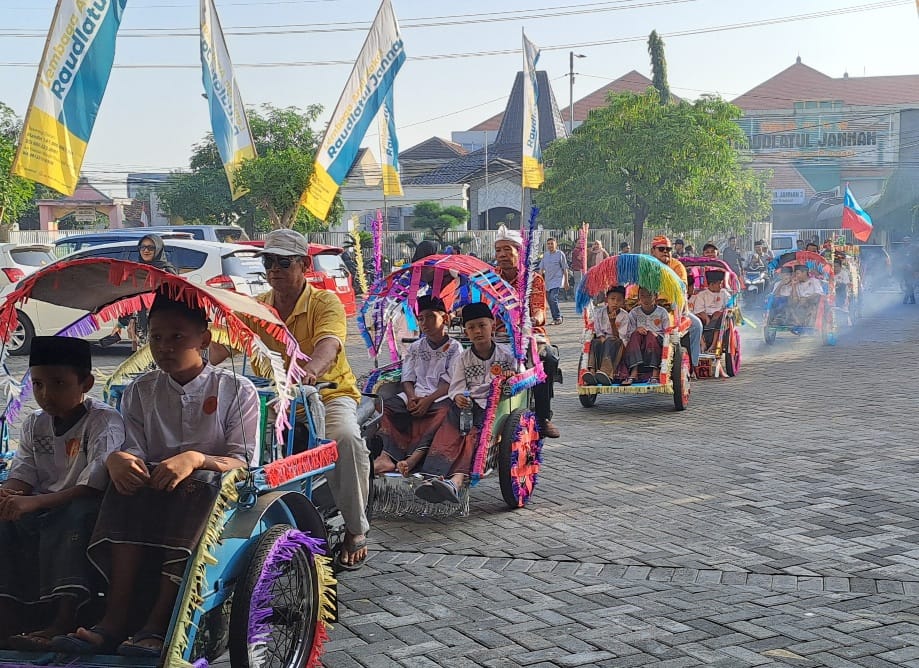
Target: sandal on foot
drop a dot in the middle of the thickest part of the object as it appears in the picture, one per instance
(35, 641)
(356, 546)
(588, 378)
(73, 644)
(447, 490)
(603, 379)
(627, 381)
(427, 492)
(132, 646)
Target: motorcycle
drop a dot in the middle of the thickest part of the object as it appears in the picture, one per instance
(757, 287)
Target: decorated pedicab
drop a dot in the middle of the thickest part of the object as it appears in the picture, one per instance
(814, 318)
(508, 442)
(643, 271)
(259, 584)
(723, 357)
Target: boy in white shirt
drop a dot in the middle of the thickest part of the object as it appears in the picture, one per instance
(412, 417)
(647, 324)
(449, 458)
(806, 293)
(49, 503)
(186, 423)
(611, 335)
(709, 305)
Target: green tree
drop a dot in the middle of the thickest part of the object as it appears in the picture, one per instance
(436, 220)
(637, 162)
(16, 193)
(286, 144)
(659, 66)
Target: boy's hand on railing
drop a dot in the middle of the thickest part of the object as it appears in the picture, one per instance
(170, 472)
(128, 473)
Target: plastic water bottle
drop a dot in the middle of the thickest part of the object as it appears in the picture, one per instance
(465, 418)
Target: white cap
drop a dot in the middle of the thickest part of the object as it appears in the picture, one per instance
(513, 236)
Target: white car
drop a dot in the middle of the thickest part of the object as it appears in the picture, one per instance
(229, 266)
(18, 261)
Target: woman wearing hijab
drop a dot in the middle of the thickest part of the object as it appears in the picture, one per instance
(150, 250)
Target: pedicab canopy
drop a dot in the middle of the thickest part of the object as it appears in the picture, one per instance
(644, 271)
(697, 266)
(456, 280)
(815, 262)
(110, 289)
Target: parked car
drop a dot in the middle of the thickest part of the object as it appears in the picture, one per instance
(77, 242)
(18, 261)
(228, 234)
(329, 273)
(229, 266)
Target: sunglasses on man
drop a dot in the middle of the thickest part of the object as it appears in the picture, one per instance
(664, 249)
(284, 262)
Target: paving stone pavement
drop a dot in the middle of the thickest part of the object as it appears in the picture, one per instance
(775, 522)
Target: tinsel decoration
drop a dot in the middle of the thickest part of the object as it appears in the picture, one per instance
(280, 471)
(526, 457)
(481, 451)
(359, 261)
(377, 230)
(526, 270)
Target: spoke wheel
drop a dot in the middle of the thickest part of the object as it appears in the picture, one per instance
(680, 374)
(519, 455)
(293, 606)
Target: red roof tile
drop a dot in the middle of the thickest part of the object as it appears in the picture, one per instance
(800, 82)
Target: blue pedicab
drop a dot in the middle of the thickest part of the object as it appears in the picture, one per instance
(646, 272)
(778, 316)
(259, 584)
(509, 440)
(724, 358)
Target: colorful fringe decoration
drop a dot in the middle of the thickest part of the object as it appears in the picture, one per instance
(527, 379)
(377, 229)
(381, 376)
(697, 266)
(280, 471)
(191, 599)
(262, 611)
(528, 470)
(488, 424)
(642, 270)
(526, 270)
(359, 261)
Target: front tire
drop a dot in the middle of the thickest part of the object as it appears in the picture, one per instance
(588, 400)
(731, 352)
(519, 456)
(679, 373)
(293, 600)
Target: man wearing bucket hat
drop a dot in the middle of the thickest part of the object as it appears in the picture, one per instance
(662, 249)
(507, 256)
(317, 319)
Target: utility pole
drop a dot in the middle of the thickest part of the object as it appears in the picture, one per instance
(571, 56)
(487, 201)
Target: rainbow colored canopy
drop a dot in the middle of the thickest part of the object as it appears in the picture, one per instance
(110, 289)
(631, 268)
(456, 279)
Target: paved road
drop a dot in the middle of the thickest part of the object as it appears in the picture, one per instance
(776, 522)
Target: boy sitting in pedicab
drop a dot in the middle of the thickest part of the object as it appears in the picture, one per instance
(806, 293)
(709, 305)
(647, 324)
(611, 335)
(412, 417)
(50, 501)
(781, 293)
(449, 458)
(186, 423)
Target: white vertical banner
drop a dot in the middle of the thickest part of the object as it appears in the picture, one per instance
(533, 175)
(228, 113)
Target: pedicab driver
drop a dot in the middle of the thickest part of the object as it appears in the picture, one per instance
(317, 319)
(507, 255)
(662, 249)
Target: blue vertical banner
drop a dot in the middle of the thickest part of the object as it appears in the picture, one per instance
(375, 69)
(228, 113)
(71, 82)
(389, 149)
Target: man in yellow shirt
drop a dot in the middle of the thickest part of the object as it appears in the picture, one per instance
(317, 319)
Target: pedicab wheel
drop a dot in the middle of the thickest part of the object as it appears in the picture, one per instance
(769, 334)
(680, 374)
(519, 456)
(588, 400)
(731, 352)
(293, 597)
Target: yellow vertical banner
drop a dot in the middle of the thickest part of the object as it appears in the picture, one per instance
(533, 175)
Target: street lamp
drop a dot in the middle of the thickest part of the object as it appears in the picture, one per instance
(571, 57)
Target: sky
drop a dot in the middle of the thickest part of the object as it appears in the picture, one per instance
(153, 111)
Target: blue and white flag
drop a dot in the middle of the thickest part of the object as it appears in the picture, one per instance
(71, 82)
(389, 149)
(228, 114)
(376, 67)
